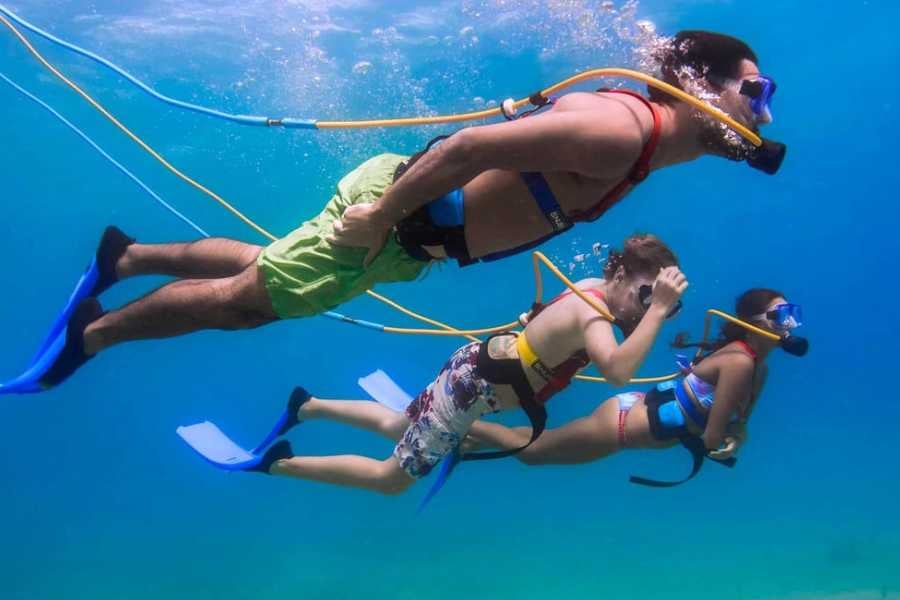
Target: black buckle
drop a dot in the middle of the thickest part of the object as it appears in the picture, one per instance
(538, 99)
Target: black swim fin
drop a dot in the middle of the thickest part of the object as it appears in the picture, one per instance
(72, 356)
(278, 451)
(110, 249)
(298, 398)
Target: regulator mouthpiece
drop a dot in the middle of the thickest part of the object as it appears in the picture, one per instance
(795, 345)
(768, 157)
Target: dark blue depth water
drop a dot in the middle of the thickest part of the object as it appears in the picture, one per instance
(100, 499)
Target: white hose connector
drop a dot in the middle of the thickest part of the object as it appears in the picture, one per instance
(508, 107)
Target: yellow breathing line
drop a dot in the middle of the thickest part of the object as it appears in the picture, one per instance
(710, 313)
(700, 105)
(134, 137)
(538, 257)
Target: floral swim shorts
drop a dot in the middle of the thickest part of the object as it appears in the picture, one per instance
(441, 415)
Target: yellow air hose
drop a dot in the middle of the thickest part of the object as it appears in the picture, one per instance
(606, 72)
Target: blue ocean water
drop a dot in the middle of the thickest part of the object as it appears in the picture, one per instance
(100, 499)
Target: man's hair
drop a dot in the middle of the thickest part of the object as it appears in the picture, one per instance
(642, 254)
(713, 56)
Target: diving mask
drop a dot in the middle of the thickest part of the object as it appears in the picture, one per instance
(783, 317)
(760, 92)
(645, 295)
(768, 156)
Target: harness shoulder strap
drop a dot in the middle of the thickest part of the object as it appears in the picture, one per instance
(639, 171)
(747, 349)
(641, 168)
(546, 201)
(537, 307)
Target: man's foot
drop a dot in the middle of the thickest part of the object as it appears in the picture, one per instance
(111, 248)
(72, 355)
(298, 398)
(278, 451)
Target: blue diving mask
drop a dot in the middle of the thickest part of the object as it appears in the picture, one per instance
(760, 92)
(769, 156)
(783, 317)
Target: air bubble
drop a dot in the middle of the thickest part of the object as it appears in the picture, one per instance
(362, 67)
(646, 26)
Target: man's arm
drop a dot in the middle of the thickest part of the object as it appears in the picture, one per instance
(596, 143)
(585, 142)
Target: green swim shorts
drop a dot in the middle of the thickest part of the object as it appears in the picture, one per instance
(305, 275)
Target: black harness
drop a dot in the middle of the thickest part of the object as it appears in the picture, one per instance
(691, 442)
(509, 371)
(417, 230)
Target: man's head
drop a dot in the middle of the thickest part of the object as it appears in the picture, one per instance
(723, 70)
(627, 271)
(712, 56)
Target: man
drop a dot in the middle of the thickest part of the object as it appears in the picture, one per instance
(481, 194)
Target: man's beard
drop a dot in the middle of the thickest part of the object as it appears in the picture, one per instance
(717, 139)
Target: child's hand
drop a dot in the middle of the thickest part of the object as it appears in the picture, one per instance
(668, 288)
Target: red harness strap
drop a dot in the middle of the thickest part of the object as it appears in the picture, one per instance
(562, 375)
(564, 372)
(537, 307)
(747, 347)
(638, 172)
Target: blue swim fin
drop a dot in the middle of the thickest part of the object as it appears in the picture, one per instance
(220, 451)
(49, 350)
(383, 390)
(447, 467)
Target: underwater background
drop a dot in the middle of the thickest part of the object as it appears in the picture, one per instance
(100, 499)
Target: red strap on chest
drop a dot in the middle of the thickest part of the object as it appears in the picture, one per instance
(562, 376)
(638, 173)
(563, 373)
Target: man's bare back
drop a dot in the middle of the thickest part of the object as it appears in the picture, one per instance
(500, 210)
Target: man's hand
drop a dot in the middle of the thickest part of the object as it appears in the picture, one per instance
(359, 228)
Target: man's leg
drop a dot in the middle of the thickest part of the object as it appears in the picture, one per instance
(204, 259)
(185, 306)
(383, 476)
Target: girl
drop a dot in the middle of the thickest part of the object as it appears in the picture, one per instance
(713, 401)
